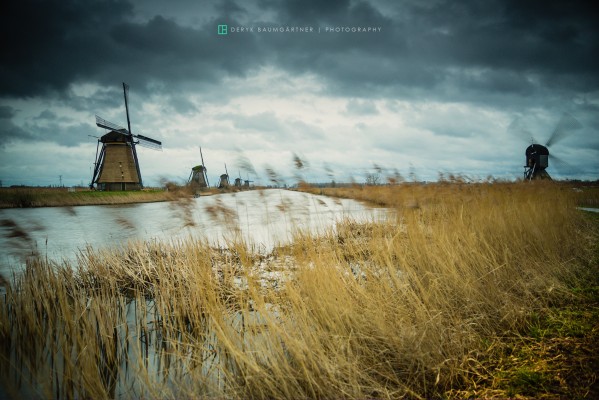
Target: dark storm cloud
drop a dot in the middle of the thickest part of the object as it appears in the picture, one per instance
(52, 44)
(46, 127)
(46, 115)
(8, 130)
(49, 44)
(482, 47)
(486, 46)
(551, 38)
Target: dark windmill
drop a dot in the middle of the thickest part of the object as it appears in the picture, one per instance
(538, 156)
(117, 166)
(198, 176)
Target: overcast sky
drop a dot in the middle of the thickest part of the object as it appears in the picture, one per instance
(415, 87)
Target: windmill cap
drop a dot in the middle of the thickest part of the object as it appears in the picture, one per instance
(537, 149)
(115, 136)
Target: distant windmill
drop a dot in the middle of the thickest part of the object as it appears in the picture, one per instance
(199, 176)
(117, 166)
(241, 183)
(224, 179)
(538, 156)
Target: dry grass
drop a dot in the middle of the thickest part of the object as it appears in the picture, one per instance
(42, 197)
(61, 197)
(417, 306)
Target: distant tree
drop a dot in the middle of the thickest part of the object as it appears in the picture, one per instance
(373, 178)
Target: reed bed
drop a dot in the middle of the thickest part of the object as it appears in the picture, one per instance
(402, 308)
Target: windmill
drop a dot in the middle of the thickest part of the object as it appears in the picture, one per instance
(240, 183)
(117, 166)
(199, 176)
(538, 156)
(224, 179)
(246, 183)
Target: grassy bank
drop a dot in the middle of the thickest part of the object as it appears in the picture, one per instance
(472, 290)
(61, 197)
(413, 195)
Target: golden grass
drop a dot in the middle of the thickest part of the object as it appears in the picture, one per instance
(45, 197)
(406, 307)
(61, 197)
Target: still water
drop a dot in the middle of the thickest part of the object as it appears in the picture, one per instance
(262, 218)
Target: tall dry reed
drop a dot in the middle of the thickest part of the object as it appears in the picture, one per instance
(386, 309)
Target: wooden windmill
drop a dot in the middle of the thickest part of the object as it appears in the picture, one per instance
(117, 166)
(224, 179)
(199, 176)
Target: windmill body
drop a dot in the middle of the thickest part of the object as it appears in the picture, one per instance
(198, 177)
(224, 181)
(537, 160)
(117, 166)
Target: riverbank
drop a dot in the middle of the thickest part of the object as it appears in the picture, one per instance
(471, 291)
(62, 197)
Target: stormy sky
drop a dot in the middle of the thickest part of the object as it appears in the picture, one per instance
(419, 88)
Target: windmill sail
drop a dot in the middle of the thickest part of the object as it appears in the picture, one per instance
(141, 139)
(148, 142)
(565, 127)
(102, 123)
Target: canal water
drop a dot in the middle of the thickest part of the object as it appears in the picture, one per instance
(263, 218)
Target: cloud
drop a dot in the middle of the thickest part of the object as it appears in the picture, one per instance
(496, 46)
(8, 130)
(437, 74)
(358, 107)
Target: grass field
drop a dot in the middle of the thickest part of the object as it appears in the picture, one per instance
(61, 197)
(481, 290)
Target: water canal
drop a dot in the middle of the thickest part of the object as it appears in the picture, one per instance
(262, 218)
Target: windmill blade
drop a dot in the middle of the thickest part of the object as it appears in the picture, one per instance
(126, 94)
(519, 129)
(150, 143)
(565, 127)
(102, 123)
(561, 166)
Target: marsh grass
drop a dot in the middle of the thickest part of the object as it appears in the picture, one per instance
(27, 197)
(416, 306)
(61, 197)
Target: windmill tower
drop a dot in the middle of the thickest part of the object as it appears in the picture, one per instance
(199, 176)
(117, 166)
(538, 156)
(224, 179)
